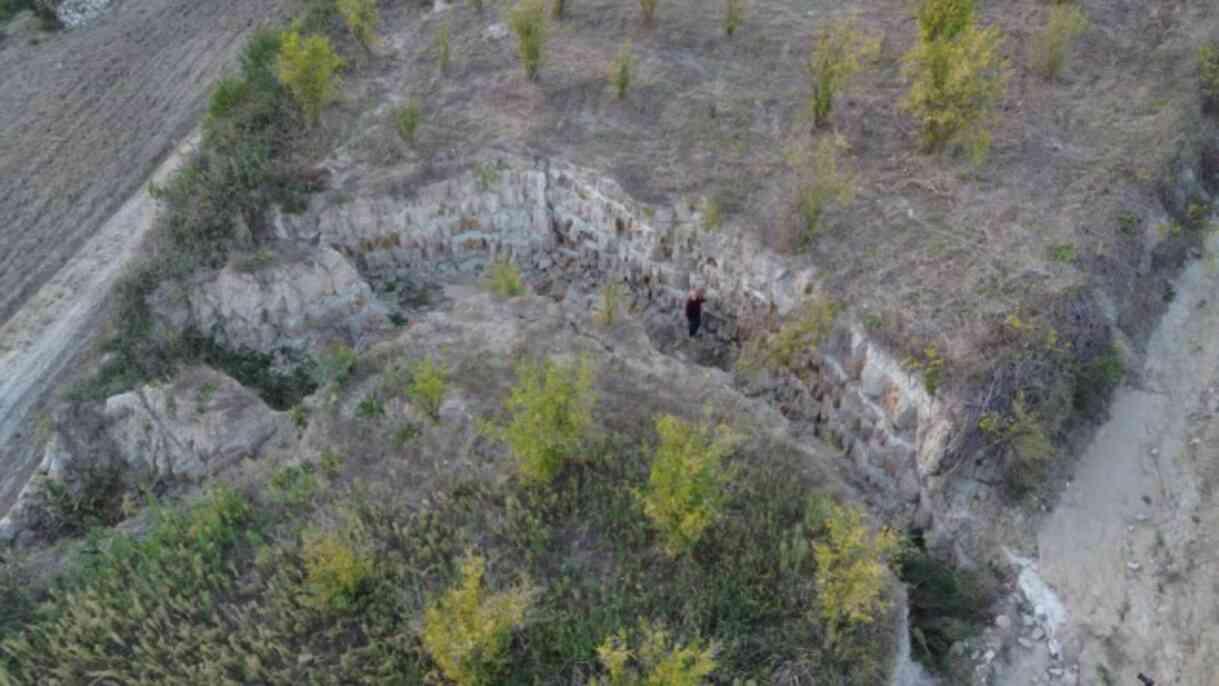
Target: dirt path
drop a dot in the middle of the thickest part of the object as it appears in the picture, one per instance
(86, 115)
(45, 335)
(1129, 549)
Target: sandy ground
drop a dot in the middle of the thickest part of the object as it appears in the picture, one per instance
(1130, 547)
(86, 115)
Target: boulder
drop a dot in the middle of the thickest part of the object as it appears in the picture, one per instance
(296, 302)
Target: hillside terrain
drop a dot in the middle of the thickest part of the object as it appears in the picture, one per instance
(384, 378)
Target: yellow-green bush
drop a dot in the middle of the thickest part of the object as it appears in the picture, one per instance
(335, 573)
(685, 490)
(361, 18)
(429, 383)
(308, 68)
(648, 9)
(839, 52)
(944, 19)
(852, 569)
(734, 16)
(551, 410)
(655, 661)
(407, 119)
(504, 279)
(611, 302)
(528, 21)
(955, 85)
(468, 630)
(620, 70)
(1052, 46)
(442, 47)
(1208, 74)
(803, 331)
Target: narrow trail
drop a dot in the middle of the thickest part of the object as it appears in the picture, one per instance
(54, 325)
(1130, 549)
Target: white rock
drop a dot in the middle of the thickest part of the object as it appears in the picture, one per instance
(1003, 622)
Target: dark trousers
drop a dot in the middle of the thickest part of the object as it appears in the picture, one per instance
(695, 322)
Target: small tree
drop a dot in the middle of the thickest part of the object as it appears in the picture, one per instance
(685, 490)
(803, 332)
(551, 410)
(852, 570)
(334, 572)
(407, 119)
(528, 21)
(620, 70)
(823, 183)
(442, 47)
(361, 18)
(1208, 76)
(656, 661)
(648, 8)
(734, 16)
(1052, 46)
(308, 69)
(611, 302)
(955, 86)
(467, 632)
(429, 384)
(838, 54)
(944, 19)
(504, 279)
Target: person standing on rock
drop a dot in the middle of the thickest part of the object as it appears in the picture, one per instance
(694, 310)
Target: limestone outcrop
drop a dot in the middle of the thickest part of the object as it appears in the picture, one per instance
(288, 305)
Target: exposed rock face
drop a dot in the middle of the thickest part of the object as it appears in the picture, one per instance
(563, 225)
(193, 428)
(306, 298)
(74, 13)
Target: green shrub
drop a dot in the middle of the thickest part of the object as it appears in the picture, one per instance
(442, 47)
(1052, 46)
(620, 70)
(931, 365)
(823, 183)
(685, 490)
(476, 4)
(852, 570)
(467, 632)
(648, 9)
(734, 16)
(335, 365)
(803, 331)
(504, 279)
(335, 573)
(560, 6)
(839, 52)
(361, 18)
(429, 383)
(655, 661)
(528, 22)
(944, 19)
(308, 68)
(293, 486)
(407, 118)
(551, 409)
(1096, 380)
(92, 501)
(1208, 76)
(956, 83)
(947, 604)
(371, 407)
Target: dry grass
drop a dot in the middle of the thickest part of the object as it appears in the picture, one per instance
(936, 245)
